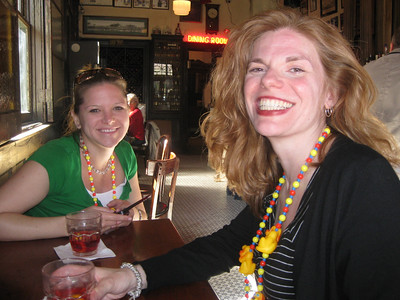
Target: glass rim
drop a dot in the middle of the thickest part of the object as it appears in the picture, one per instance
(63, 262)
(83, 215)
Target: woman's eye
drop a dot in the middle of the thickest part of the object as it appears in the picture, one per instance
(296, 70)
(255, 70)
(119, 108)
(94, 110)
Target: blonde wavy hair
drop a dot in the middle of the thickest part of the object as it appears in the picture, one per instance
(246, 157)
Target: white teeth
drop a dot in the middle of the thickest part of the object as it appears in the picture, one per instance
(107, 130)
(273, 104)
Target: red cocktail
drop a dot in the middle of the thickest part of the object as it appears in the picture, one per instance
(84, 242)
(84, 229)
(73, 293)
(68, 279)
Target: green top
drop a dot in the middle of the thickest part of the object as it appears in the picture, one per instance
(67, 193)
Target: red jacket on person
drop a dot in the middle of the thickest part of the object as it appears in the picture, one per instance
(136, 126)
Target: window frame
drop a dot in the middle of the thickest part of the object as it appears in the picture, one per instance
(26, 116)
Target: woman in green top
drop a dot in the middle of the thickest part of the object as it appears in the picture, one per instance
(90, 168)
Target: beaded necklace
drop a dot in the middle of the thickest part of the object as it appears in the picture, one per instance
(268, 243)
(86, 154)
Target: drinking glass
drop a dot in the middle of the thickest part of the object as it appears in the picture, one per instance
(67, 279)
(84, 229)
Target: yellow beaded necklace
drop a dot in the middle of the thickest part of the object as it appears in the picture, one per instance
(268, 243)
(90, 169)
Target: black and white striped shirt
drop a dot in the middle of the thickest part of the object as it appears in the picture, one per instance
(278, 276)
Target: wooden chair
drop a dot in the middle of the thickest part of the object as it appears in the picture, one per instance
(163, 151)
(164, 172)
(163, 147)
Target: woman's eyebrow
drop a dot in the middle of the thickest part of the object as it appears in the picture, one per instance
(296, 58)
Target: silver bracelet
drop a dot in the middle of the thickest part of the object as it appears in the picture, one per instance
(140, 214)
(136, 292)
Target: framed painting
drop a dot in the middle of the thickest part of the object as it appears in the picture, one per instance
(160, 4)
(115, 26)
(328, 7)
(97, 2)
(141, 3)
(123, 3)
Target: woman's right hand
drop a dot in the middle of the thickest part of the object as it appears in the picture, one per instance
(112, 283)
(110, 220)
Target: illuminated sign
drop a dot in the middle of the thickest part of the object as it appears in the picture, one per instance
(205, 39)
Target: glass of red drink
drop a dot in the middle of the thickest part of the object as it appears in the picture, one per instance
(69, 278)
(84, 229)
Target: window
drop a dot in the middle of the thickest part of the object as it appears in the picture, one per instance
(163, 69)
(25, 65)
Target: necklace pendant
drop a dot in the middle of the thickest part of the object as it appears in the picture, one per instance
(259, 296)
(269, 243)
(247, 266)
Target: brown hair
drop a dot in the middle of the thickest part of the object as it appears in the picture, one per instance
(246, 157)
(80, 87)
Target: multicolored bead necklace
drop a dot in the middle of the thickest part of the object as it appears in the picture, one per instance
(90, 169)
(268, 243)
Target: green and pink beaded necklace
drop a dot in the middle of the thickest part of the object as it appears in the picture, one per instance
(267, 244)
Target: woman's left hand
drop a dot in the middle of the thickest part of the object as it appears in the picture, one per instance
(117, 205)
(109, 219)
(136, 213)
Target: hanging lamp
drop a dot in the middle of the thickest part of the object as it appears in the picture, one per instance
(181, 7)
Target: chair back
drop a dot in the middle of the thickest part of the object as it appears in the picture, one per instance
(163, 147)
(165, 173)
(163, 151)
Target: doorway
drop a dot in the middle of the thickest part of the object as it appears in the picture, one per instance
(131, 59)
(200, 66)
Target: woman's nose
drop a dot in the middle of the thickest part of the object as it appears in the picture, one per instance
(108, 117)
(271, 79)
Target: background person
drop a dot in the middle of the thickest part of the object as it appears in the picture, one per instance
(385, 73)
(136, 126)
(89, 168)
(304, 160)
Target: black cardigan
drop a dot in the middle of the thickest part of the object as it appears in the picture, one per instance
(348, 248)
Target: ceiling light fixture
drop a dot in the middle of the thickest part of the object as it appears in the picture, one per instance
(181, 7)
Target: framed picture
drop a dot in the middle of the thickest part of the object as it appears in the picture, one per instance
(97, 2)
(194, 14)
(141, 3)
(160, 4)
(115, 26)
(328, 7)
(313, 5)
(123, 3)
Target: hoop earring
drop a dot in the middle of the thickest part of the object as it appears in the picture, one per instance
(328, 112)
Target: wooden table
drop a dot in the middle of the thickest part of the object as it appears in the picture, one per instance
(21, 262)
